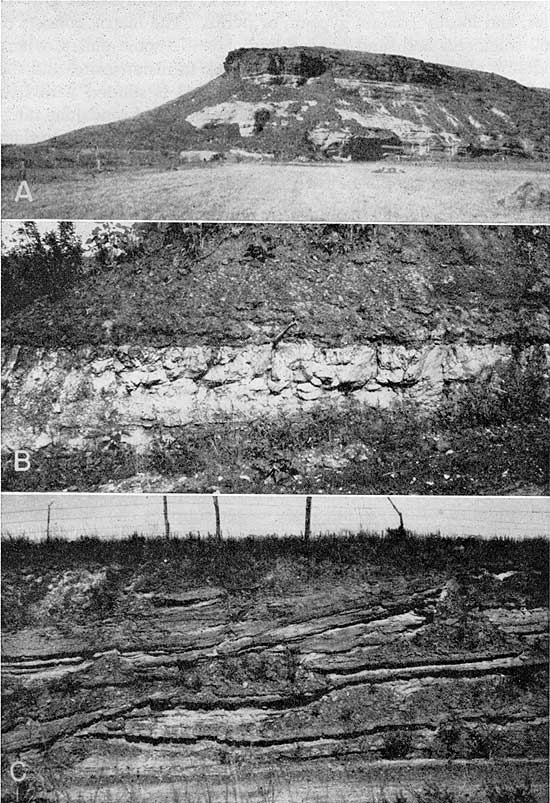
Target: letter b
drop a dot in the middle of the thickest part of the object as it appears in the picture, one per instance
(21, 460)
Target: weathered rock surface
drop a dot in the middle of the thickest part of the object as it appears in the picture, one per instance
(194, 679)
(67, 397)
(311, 62)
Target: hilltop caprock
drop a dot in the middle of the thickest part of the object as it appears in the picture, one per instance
(317, 103)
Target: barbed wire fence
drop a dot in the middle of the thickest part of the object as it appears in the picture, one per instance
(221, 516)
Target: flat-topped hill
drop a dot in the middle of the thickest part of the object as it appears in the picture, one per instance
(319, 103)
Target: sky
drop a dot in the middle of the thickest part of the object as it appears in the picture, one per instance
(68, 64)
(83, 229)
(118, 515)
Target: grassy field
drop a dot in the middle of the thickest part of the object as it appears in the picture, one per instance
(431, 193)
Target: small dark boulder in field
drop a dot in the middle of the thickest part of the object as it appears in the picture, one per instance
(528, 195)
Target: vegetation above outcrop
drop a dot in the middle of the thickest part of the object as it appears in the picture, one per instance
(226, 284)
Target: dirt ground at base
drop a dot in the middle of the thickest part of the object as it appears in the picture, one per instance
(349, 781)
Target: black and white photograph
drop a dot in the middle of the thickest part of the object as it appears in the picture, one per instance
(275, 412)
(433, 112)
(275, 649)
(268, 358)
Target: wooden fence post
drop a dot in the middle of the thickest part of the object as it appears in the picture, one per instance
(401, 528)
(166, 521)
(48, 521)
(307, 525)
(218, 520)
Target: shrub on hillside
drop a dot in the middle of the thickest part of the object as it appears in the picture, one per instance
(113, 243)
(396, 745)
(515, 794)
(39, 265)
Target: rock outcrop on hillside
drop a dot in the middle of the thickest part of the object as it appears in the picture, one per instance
(294, 63)
(317, 103)
(263, 321)
(311, 62)
(67, 397)
(200, 679)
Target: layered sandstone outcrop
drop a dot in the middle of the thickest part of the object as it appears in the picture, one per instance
(311, 62)
(194, 680)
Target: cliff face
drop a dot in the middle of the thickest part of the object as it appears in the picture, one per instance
(303, 63)
(311, 62)
(68, 398)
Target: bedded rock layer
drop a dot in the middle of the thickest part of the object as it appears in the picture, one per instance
(72, 397)
(196, 680)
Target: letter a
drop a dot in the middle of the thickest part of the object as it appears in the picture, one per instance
(23, 192)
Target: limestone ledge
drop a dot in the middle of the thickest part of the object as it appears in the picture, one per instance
(65, 396)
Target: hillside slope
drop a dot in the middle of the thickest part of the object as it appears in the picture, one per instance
(341, 285)
(318, 102)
